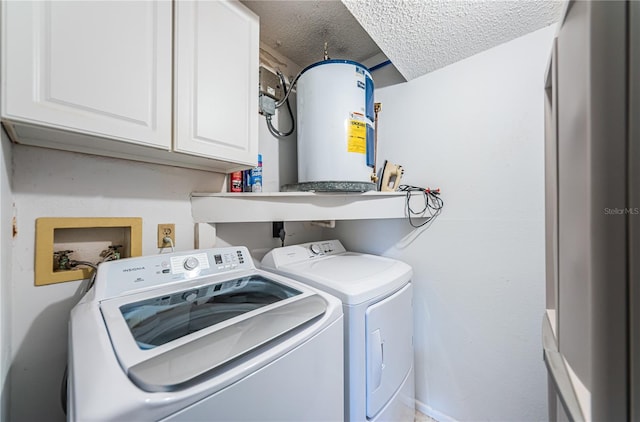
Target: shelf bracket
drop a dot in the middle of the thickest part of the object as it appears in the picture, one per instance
(204, 236)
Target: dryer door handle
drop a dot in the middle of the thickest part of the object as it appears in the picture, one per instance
(376, 361)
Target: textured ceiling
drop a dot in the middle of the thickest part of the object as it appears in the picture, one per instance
(419, 36)
(422, 36)
(298, 30)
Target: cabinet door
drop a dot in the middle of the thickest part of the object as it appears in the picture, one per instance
(216, 80)
(101, 67)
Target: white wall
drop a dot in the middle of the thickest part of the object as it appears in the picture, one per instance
(475, 130)
(6, 215)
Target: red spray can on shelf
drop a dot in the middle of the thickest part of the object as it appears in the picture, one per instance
(235, 181)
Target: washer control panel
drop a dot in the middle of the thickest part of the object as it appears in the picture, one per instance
(186, 264)
(117, 277)
(304, 252)
(315, 249)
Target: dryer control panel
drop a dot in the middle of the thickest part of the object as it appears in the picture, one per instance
(119, 277)
(303, 252)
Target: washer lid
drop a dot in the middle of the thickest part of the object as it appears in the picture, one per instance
(352, 277)
(168, 339)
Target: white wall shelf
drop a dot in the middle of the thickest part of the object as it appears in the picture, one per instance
(295, 206)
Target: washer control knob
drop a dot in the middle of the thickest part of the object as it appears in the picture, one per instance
(191, 263)
(315, 249)
(190, 296)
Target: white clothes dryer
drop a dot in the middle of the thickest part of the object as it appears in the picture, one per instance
(204, 336)
(376, 294)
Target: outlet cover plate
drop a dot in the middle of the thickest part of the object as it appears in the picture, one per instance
(166, 230)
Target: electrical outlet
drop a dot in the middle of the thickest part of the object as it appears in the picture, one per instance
(277, 226)
(165, 230)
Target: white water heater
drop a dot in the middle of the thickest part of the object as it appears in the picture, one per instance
(335, 126)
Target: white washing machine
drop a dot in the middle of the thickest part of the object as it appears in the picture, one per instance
(376, 293)
(204, 336)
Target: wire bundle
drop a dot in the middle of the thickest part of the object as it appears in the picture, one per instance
(275, 132)
(432, 204)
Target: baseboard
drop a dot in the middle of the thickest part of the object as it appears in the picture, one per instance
(432, 413)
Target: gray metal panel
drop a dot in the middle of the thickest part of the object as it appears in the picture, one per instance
(551, 180)
(594, 210)
(608, 189)
(634, 204)
(182, 365)
(574, 242)
(559, 378)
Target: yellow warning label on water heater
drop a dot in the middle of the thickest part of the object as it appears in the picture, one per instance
(357, 137)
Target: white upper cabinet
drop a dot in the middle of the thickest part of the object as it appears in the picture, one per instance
(216, 80)
(91, 67)
(115, 78)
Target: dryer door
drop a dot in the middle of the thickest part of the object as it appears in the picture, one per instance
(389, 325)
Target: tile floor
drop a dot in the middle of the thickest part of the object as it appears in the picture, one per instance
(421, 417)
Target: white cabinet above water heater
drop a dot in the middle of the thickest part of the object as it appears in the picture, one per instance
(131, 80)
